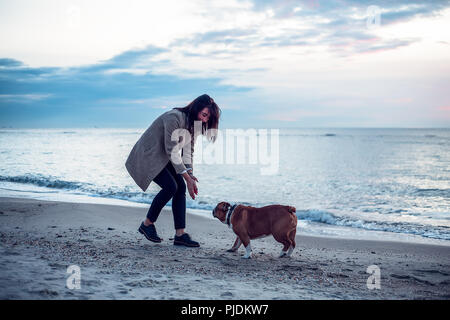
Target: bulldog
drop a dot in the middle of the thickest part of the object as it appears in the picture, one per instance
(250, 223)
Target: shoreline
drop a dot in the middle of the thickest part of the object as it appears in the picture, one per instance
(40, 239)
(314, 229)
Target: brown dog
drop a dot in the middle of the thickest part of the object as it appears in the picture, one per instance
(251, 223)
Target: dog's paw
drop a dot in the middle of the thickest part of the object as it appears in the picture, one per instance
(231, 250)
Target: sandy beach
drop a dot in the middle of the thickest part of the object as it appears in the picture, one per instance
(39, 240)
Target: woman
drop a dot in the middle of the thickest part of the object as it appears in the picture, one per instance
(154, 157)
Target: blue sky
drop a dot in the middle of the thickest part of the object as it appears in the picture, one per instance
(268, 64)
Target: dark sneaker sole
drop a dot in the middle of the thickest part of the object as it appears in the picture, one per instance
(179, 243)
(149, 238)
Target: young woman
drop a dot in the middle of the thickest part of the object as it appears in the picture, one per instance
(152, 159)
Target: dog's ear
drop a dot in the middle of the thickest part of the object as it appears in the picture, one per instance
(226, 206)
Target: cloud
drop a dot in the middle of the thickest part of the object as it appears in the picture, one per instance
(385, 45)
(342, 23)
(393, 10)
(6, 62)
(23, 97)
(124, 60)
(81, 95)
(292, 115)
(412, 9)
(272, 53)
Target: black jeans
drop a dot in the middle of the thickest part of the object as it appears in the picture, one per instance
(173, 187)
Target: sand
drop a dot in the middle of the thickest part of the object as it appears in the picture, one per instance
(39, 240)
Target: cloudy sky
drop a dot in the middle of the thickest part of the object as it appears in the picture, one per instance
(311, 63)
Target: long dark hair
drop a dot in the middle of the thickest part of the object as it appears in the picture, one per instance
(197, 105)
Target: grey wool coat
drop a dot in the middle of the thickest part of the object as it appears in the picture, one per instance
(156, 147)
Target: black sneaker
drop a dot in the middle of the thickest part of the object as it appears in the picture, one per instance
(149, 232)
(185, 240)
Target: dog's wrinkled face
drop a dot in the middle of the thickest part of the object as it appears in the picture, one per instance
(220, 211)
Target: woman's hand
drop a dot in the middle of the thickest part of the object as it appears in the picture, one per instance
(192, 188)
(191, 185)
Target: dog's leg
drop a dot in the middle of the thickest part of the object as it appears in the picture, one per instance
(236, 245)
(291, 248)
(282, 254)
(286, 245)
(248, 251)
(246, 242)
(245, 239)
(284, 239)
(292, 237)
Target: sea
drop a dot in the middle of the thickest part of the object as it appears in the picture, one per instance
(376, 184)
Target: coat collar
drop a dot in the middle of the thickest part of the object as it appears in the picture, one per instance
(182, 116)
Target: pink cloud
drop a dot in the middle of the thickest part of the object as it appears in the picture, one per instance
(292, 115)
(442, 112)
(402, 100)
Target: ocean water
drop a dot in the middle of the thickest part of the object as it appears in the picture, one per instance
(379, 183)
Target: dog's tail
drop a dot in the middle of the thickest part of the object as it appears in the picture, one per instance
(291, 209)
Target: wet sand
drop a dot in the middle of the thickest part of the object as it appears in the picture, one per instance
(39, 240)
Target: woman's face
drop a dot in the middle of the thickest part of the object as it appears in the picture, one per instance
(203, 115)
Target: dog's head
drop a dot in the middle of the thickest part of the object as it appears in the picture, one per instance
(220, 211)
